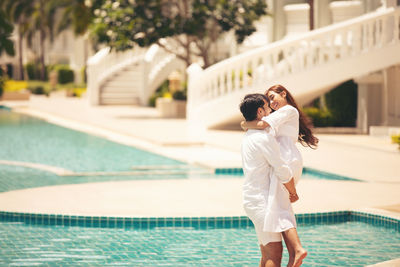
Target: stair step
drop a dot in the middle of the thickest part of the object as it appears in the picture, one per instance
(119, 91)
(120, 100)
(119, 83)
(127, 80)
(119, 95)
(131, 88)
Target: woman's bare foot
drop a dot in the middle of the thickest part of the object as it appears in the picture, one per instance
(299, 257)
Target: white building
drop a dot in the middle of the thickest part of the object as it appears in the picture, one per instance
(65, 49)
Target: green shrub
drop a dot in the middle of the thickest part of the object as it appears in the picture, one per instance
(342, 103)
(179, 95)
(320, 118)
(38, 90)
(64, 73)
(396, 139)
(33, 71)
(39, 87)
(160, 92)
(340, 109)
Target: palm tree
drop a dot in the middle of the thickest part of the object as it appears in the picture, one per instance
(43, 23)
(18, 13)
(6, 29)
(33, 17)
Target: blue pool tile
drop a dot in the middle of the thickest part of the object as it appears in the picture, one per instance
(235, 222)
(52, 219)
(203, 222)
(178, 222)
(105, 221)
(219, 222)
(120, 222)
(153, 223)
(187, 222)
(136, 223)
(112, 222)
(96, 222)
(195, 223)
(128, 223)
(144, 224)
(169, 222)
(211, 223)
(228, 222)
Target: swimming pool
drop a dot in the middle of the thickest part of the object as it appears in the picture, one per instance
(332, 239)
(67, 240)
(88, 158)
(27, 139)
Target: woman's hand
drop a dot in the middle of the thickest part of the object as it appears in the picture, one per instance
(293, 197)
(243, 124)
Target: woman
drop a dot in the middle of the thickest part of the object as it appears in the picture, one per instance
(288, 124)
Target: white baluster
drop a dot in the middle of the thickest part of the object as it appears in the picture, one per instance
(229, 81)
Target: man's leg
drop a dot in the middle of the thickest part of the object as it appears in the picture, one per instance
(292, 238)
(271, 254)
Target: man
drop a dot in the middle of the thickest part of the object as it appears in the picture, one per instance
(262, 162)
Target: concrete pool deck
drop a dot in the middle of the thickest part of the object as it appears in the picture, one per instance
(373, 160)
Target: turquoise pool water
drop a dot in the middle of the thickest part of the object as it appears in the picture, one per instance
(340, 244)
(28, 139)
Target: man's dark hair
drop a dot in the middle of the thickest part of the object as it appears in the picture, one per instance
(250, 105)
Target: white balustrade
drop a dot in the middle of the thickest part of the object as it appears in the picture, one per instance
(154, 63)
(253, 70)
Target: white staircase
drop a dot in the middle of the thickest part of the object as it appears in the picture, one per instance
(130, 77)
(124, 87)
(308, 65)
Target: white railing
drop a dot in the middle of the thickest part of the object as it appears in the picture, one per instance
(154, 64)
(158, 65)
(104, 64)
(254, 70)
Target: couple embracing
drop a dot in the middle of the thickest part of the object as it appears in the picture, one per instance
(272, 165)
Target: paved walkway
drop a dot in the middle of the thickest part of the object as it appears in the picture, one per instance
(371, 159)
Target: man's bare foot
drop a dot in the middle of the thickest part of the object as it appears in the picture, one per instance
(299, 257)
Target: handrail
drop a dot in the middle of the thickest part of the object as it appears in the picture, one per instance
(154, 63)
(257, 67)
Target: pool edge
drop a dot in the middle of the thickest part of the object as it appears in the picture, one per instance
(302, 219)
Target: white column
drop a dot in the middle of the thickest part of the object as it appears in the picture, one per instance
(362, 107)
(279, 20)
(196, 127)
(385, 95)
(322, 14)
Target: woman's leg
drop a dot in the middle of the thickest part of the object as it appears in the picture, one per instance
(271, 254)
(292, 238)
(290, 250)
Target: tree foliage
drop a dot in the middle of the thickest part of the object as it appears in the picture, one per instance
(77, 14)
(191, 26)
(6, 30)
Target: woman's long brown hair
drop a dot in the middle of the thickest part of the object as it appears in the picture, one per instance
(306, 137)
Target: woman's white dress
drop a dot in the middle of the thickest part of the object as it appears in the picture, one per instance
(284, 124)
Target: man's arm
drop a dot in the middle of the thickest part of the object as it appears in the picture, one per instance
(256, 124)
(271, 152)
